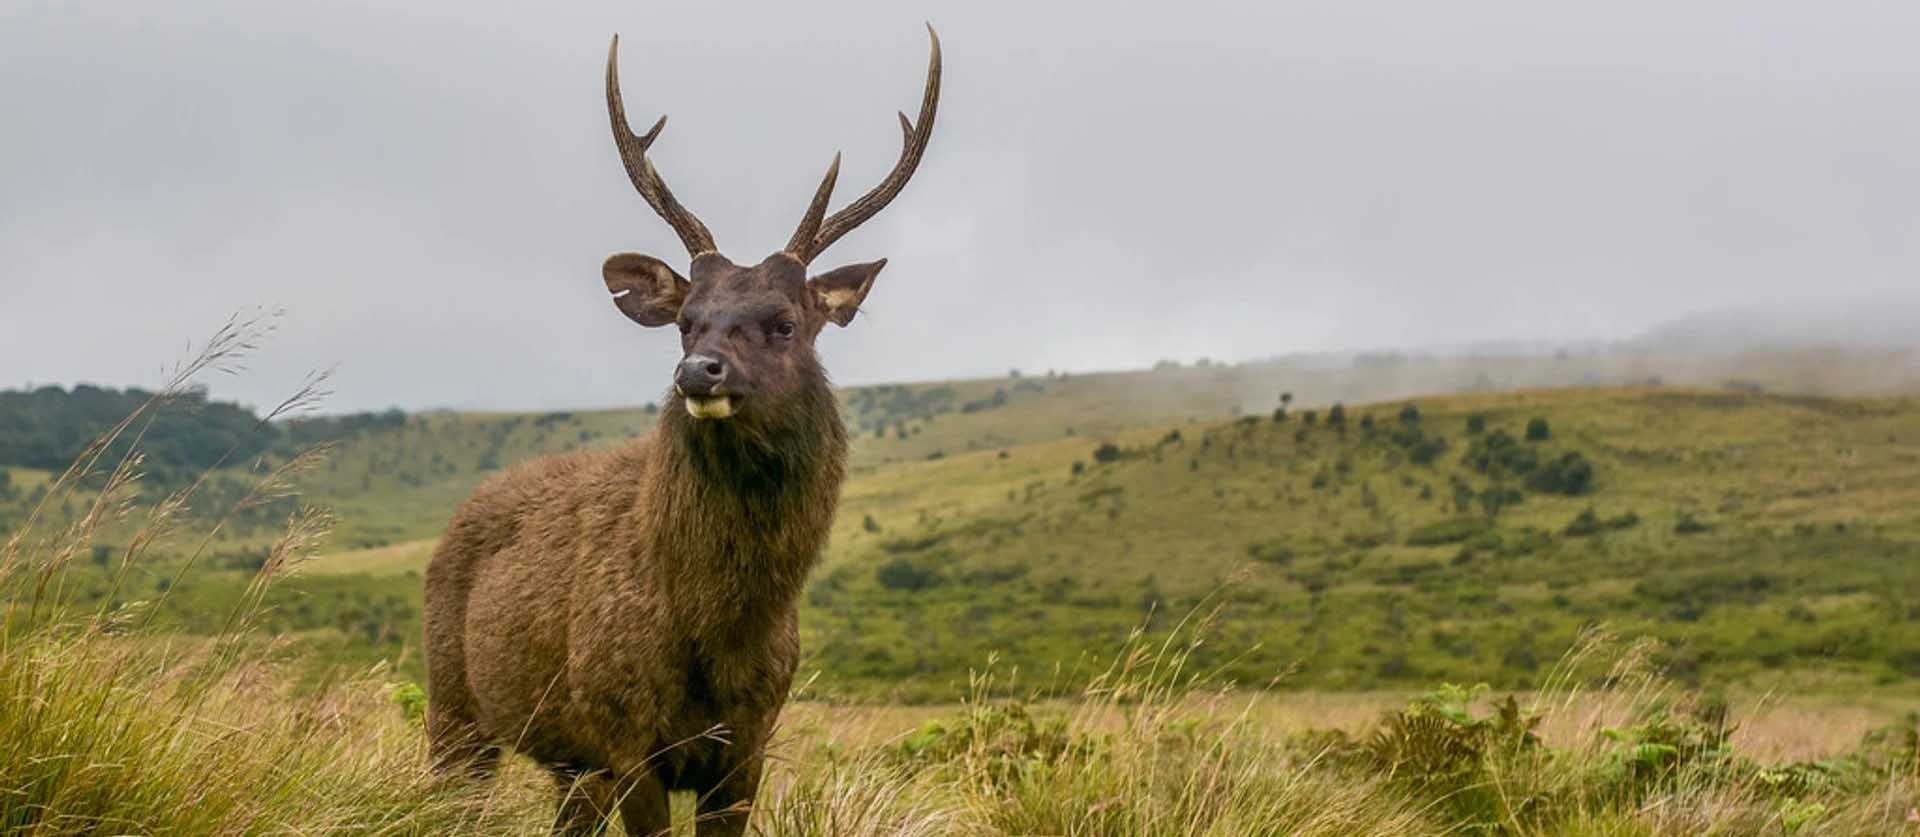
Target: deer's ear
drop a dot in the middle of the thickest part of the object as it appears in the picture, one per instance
(645, 288)
(842, 289)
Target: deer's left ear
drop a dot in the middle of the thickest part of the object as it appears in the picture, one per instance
(842, 289)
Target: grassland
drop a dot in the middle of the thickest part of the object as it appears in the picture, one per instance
(1771, 545)
(1095, 604)
(1768, 541)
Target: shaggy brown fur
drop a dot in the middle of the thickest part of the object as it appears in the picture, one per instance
(630, 619)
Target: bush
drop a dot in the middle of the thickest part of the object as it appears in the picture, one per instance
(907, 574)
(1107, 452)
(1690, 525)
(1498, 454)
(1537, 430)
(1337, 416)
(1570, 474)
(1476, 424)
(1426, 449)
(1589, 522)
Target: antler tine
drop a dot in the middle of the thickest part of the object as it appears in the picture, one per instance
(633, 155)
(810, 223)
(913, 146)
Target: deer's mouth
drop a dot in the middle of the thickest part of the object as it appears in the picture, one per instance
(711, 406)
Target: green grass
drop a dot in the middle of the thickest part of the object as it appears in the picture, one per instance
(168, 684)
(1767, 541)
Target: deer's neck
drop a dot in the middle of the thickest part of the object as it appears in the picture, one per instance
(742, 507)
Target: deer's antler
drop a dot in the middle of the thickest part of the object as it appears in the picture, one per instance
(816, 235)
(633, 155)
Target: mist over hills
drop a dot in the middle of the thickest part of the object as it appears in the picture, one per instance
(1857, 324)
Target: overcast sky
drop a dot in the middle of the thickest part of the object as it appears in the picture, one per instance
(428, 188)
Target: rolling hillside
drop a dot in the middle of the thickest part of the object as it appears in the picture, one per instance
(1767, 540)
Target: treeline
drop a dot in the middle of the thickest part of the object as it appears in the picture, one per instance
(50, 426)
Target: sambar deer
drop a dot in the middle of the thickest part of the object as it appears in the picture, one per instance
(628, 618)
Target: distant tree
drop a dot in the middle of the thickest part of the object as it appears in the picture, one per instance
(651, 409)
(1337, 416)
(1286, 399)
(1366, 423)
(1410, 415)
(1476, 424)
(1106, 452)
(1279, 415)
(869, 524)
(1538, 430)
(1310, 418)
(1079, 467)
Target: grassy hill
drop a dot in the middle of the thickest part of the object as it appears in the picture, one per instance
(1766, 539)
(1029, 527)
(1769, 540)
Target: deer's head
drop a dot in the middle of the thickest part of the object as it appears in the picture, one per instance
(747, 332)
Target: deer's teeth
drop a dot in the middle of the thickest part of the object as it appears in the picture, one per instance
(715, 407)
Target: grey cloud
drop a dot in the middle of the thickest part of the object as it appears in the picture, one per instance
(428, 188)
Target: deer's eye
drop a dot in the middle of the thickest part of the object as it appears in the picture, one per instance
(783, 328)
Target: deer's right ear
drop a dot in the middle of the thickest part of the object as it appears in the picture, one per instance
(646, 289)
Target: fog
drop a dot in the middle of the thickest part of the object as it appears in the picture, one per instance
(428, 189)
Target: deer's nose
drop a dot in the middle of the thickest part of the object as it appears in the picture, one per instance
(700, 375)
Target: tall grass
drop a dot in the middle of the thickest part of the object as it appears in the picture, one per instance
(109, 725)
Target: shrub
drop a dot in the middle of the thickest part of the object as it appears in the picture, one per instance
(1499, 454)
(1570, 474)
(1476, 424)
(1337, 416)
(907, 574)
(1538, 430)
(1589, 522)
(1107, 452)
(1690, 525)
(1425, 449)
